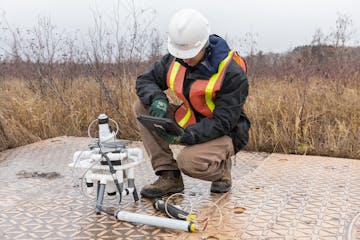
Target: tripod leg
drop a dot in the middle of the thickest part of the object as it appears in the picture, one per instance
(135, 195)
(131, 183)
(100, 198)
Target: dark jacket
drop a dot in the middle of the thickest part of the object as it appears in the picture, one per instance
(228, 115)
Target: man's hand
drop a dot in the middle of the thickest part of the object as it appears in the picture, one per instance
(168, 137)
(159, 108)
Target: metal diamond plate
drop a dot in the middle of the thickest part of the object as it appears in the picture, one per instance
(354, 228)
(286, 197)
(292, 197)
(35, 207)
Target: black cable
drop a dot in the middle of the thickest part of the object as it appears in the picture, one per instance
(112, 171)
(109, 212)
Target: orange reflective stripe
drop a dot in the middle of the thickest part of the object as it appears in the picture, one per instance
(209, 91)
(197, 97)
(175, 80)
(241, 62)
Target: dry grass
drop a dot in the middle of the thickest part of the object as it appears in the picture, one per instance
(305, 118)
(26, 117)
(289, 117)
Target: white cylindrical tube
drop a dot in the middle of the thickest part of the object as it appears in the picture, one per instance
(130, 173)
(110, 188)
(78, 155)
(120, 176)
(156, 221)
(89, 186)
(112, 156)
(138, 152)
(128, 191)
(103, 178)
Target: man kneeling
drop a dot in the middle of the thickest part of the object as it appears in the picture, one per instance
(210, 80)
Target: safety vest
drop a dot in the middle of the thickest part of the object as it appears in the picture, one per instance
(202, 92)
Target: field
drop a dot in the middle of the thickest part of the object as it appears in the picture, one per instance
(317, 117)
(303, 101)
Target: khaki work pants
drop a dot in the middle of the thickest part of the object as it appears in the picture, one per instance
(204, 161)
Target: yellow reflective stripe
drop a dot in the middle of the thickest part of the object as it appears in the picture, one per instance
(186, 118)
(174, 71)
(210, 86)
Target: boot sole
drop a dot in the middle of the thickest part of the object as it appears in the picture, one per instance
(220, 190)
(152, 195)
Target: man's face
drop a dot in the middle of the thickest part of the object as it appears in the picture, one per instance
(195, 60)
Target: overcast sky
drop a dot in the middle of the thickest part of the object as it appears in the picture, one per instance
(278, 25)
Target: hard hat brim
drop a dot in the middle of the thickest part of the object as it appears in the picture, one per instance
(183, 53)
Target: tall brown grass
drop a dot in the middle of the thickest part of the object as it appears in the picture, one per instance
(26, 117)
(305, 117)
(289, 116)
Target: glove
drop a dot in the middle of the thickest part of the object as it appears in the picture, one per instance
(168, 137)
(159, 108)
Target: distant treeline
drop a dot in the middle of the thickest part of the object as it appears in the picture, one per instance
(325, 61)
(329, 62)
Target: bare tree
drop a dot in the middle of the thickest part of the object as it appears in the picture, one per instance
(71, 61)
(342, 34)
(99, 53)
(11, 39)
(156, 45)
(45, 45)
(343, 31)
(318, 38)
(121, 51)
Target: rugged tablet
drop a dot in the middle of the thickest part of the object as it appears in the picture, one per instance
(153, 123)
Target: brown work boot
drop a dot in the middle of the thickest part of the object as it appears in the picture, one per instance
(168, 182)
(223, 185)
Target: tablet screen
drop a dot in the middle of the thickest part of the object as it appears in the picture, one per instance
(153, 123)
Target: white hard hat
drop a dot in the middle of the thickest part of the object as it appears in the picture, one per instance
(189, 31)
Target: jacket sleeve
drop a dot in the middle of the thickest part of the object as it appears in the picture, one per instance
(151, 84)
(229, 103)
